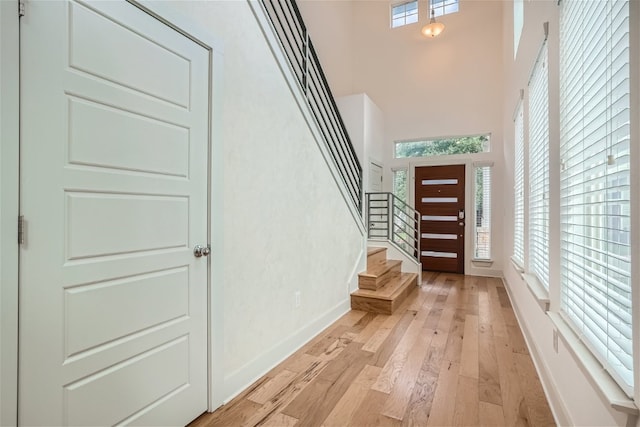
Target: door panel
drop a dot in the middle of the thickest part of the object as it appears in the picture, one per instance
(439, 197)
(375, 178)
(114, 149)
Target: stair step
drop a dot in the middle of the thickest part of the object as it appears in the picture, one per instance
(378, 274)
(375, 254)
(386, 299)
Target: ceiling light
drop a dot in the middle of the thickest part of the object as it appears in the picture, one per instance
(433, 29)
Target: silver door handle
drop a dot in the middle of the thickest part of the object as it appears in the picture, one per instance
(200, 251)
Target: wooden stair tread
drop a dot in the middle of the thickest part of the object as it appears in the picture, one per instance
(390, 290)
(372, 250)
(380, 268)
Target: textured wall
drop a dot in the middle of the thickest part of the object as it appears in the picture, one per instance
(286, 225)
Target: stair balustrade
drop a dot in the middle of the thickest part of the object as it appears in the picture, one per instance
(292, 33)
(391, 219)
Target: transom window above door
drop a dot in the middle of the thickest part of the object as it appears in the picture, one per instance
(442, 146)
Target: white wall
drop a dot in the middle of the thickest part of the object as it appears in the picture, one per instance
(374, 130)
(365, 124)
(431, 87)
(450, 85)
(447, 86)
(574, 399)
(330, 27)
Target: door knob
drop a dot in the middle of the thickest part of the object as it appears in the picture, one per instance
(200, 251)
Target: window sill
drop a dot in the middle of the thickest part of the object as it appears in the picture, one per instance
(592, 368)
(537, 289)
(481, 262)
(516, 264)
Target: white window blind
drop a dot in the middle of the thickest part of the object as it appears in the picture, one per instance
(595, 192)
(482, 233)
(518, 214)
(539, 169)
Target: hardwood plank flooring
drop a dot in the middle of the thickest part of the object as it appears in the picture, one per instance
(452, 355)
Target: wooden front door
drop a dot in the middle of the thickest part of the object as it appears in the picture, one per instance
(439, 197)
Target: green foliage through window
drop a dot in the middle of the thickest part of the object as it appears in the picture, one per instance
(442, 147)
(400, 184)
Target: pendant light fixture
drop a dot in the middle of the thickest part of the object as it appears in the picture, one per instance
(433, 29)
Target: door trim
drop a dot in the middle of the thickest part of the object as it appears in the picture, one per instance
(9, 188)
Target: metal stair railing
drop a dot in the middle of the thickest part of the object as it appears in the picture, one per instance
(391, 219)
(291, 31)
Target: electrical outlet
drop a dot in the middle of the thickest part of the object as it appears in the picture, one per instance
(297, 299)
(555, 340)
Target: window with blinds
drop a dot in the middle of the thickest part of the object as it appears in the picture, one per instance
(482, 225)
(595, 192)
(518, 196)
(539, 169)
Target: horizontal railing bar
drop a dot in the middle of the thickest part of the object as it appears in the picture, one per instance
(298, 22)
(351, 185)
(400, 237)
(401, 219)
(400, 222)
(331, 121)
(330, 126)
(409, 241)
(321, 119)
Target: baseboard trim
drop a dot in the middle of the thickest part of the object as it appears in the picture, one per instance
(558, 408)
(240, 379)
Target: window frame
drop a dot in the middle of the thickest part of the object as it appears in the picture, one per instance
(538, 169)
(394, 172)
(440, 9)
(486, 212)
(486, 145)
(404, 15)
(518, 255)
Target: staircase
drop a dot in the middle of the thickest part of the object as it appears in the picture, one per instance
(383, 287)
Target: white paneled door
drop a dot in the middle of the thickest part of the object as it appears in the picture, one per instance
(114, 148)
(375, 178)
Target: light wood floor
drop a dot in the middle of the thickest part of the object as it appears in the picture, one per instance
(453, 354)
